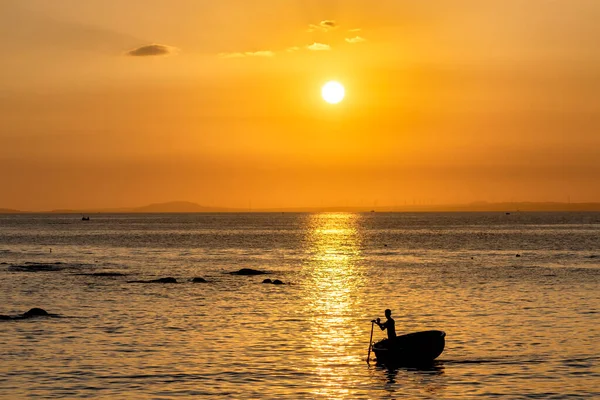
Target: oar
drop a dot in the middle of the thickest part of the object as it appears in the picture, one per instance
(370, 342)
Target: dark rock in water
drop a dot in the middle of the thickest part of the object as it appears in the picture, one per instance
(248, 271)
(274, 282)
(593, 256)
(35, 267)
(199, 280)
(165, 280)
(518, 255)
(4, 263)
(35, 312)
(159, 280)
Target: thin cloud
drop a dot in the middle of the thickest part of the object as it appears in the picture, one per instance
(323, 26)
(152, 50)
(356, 39)
(355, 30)
(319, 47)
(292, 49)
(231, 55)
(261, 53)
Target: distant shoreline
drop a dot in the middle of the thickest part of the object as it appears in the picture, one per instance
(191, 208)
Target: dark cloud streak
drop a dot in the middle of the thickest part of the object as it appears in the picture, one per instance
(151, 50)
(324, 26)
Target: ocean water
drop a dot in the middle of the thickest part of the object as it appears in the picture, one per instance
(524, 326)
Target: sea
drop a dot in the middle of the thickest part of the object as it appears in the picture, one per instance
(518, 295)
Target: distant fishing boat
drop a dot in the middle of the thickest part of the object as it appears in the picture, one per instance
(419, 348)
(84, 218)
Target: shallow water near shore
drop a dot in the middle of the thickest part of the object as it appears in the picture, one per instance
(518, 296)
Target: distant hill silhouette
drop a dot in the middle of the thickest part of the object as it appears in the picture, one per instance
(179, 207)
(470, 207)
(9, 211)
(189, 207)
(169, 207)
(509, 207)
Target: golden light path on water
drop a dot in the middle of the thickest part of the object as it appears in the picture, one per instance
(336, 275)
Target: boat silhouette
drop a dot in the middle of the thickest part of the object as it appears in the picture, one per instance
(413, 349)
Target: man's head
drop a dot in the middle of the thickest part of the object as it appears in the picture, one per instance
(388, 313)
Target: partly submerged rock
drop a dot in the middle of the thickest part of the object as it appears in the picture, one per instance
(199, 280)
(35, 267)
(248, 271)
(34, 312)
(274, 282)
(159, 280)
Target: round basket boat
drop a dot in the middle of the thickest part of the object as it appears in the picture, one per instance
(419, 348)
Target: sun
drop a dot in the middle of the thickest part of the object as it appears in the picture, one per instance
(333, 92)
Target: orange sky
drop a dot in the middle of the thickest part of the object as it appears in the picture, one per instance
(124, 103)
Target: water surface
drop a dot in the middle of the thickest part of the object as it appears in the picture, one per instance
(523, 326)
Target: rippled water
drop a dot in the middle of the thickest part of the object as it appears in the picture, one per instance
(517, 327)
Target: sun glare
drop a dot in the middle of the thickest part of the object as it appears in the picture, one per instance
(333, 92)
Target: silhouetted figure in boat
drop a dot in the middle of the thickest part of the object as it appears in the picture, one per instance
(389, 324)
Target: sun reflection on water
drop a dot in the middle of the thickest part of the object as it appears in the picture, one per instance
(334, 302)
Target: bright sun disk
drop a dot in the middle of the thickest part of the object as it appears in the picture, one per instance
(333, 92)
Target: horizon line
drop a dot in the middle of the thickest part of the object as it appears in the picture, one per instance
(185, 207)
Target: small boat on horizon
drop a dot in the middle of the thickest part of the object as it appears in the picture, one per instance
(413, 349)
(84, 218)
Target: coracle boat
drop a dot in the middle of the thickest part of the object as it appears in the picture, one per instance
(414, 349)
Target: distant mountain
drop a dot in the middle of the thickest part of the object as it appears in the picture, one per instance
(169, 207)
(178, 207)
(10, 211)
(89, 211)
(189, 207)
(483, 206)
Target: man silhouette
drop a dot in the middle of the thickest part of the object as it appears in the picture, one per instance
(389, 324)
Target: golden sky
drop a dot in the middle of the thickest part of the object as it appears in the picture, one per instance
(110, 103)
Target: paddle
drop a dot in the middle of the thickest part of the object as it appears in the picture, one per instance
(370, 342)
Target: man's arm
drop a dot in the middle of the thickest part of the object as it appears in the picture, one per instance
(380, 325)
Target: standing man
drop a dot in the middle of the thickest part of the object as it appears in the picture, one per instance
(389, 324)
